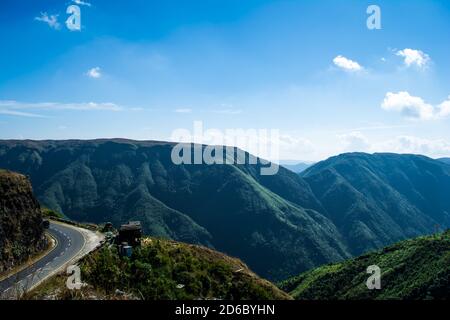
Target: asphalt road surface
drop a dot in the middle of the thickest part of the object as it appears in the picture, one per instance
(69, 243)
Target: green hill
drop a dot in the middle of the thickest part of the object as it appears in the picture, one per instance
(413, 269)
(378, 199)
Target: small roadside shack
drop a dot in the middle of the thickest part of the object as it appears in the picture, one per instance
(131, 233)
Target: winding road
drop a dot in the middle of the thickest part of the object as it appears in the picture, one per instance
(72, 243)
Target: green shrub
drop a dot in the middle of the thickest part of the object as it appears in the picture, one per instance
(170, 270)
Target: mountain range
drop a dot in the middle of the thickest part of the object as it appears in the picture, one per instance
(295, 166)
(379, 199)
(279, 225)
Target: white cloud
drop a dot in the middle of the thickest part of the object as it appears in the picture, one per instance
(94, 73)
(354, 142)
(410, 106)
(357, 142)
(414, 57)
(51, 20)
(298, 145)
(183, 110)
(410, 144)
(282, 146)
(347, 64)
(16, 108)
(415, 107)
(444, 109)
(81, 3)
(20, 114)
(228, 111)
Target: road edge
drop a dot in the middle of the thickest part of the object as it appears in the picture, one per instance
(75, 258)
(36, 258)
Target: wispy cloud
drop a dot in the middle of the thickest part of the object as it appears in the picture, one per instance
(17, 108)
(81, 3)
(20, 114)
(94, 73)
(183, 110)
(375, 127)
(346, 64)
(228, 111)
(414, 57)
(415, 107)
(51, 20)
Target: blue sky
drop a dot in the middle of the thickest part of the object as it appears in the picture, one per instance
(310, 69)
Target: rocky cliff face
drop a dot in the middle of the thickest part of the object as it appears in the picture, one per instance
(21, 231)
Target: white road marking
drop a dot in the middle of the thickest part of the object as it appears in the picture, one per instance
(41, 273)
